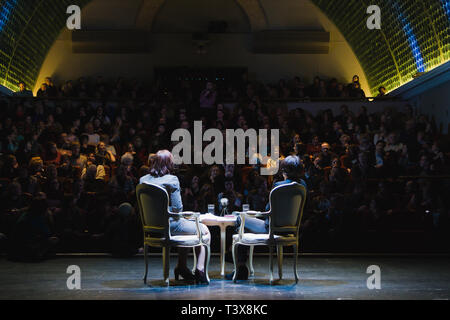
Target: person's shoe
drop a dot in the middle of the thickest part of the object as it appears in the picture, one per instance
(200, 277)
(242, 274)
(185, 273)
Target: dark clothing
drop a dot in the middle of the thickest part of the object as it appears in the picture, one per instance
(30, 239)
(103, 159)
(325, 160)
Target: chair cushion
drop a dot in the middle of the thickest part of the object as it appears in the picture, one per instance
(180, 240)
(188, 240)
(263, 238)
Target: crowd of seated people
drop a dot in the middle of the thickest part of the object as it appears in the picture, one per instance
(188, 91)
(67, 164)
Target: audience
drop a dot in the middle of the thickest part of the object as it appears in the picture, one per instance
(69, 164)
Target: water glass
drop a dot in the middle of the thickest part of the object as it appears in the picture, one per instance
(245, 207)
(211, 208)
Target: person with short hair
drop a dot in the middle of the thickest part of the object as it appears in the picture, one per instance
(234, 199)
(121, 233)
(77, 159)
(51, 89)
(121, 186)
(326, 155)
(23, 91)
(292, 171)
(42, 92)
(208, 96)
(381, 92)
(93, 137)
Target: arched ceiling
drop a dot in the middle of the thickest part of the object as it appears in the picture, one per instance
(414, 35)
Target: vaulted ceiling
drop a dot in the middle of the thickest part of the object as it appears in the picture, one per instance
(414, 35)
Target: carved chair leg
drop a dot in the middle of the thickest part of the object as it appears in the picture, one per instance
(280, 261)
(271, 264)
(166, 264)
(195, 260)
(208, 256)
(234, 252)
(295, 262)
(146, 263)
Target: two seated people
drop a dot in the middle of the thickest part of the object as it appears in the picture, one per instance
(161, 165)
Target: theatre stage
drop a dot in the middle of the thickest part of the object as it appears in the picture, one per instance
(321, 277)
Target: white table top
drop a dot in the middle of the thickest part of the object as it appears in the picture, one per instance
(213, 218)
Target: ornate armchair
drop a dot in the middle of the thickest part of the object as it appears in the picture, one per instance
(286, 209)
(153, 204)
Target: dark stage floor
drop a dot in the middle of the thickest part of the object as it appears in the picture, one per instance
(331, 277)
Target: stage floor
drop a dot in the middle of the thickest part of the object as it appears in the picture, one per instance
(331, 277)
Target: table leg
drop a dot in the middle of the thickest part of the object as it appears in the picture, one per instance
(223, 233)
(250, 261)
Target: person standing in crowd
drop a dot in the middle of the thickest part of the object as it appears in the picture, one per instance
(23, 91)
(52, 92)
(382, 92)
(42, 92)
(208, 96)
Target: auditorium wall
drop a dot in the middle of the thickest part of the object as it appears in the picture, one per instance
(172, 44)
(435, 103)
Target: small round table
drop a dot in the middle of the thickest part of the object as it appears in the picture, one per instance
(222, 223)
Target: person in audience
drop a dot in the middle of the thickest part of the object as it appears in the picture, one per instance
(382, 92)
(208, 96)
(77, 159)
(93, 137)
(51, 154)
(93, 178)
(32, 238)
(10, 167)
(355, 91)
(52, 92)
(103, 156)
(85, 147)
(42, 92)
(13, 203)
(122, 186)
(127, 161)
(326, 156)
(122, 234)
(23, 91)
(234, 199)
